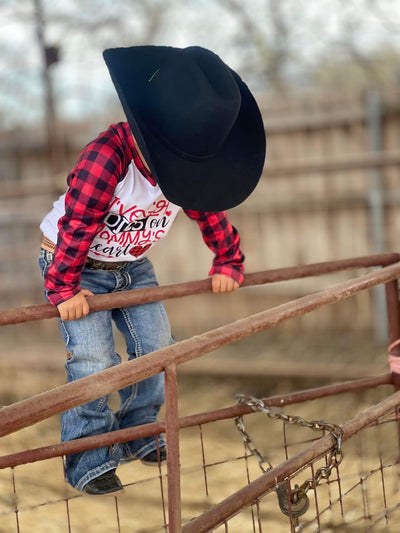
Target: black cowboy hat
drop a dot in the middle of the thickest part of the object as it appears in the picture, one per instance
(195, 121)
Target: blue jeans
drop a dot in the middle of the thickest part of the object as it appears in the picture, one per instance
(90, 348)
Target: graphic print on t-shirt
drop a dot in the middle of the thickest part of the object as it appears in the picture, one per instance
(130, 231)
(137, 217)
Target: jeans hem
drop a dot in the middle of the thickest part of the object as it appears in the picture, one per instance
(143, 451)
(95, 472)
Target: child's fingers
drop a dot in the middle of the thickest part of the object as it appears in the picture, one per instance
(76, 307)
(221, 283)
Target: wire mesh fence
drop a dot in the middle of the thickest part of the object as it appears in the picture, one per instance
(361, 494)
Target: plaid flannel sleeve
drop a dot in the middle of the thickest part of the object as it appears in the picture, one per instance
(223, 239)
(90, 189)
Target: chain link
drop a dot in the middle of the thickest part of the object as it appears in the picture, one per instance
(251, 447)
(298, 496)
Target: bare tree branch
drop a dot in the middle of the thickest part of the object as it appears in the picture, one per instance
(272, 53)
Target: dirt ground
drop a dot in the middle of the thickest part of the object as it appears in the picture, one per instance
(35, 498)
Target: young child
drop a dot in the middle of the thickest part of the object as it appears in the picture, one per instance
(194, 140)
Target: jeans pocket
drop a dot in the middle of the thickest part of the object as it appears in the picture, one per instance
(45, 260)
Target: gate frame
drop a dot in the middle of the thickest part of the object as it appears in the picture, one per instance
(40, 407)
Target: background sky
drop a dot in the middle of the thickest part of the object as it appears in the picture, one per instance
(276, 45)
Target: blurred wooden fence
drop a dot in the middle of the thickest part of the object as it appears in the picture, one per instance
(330, 190)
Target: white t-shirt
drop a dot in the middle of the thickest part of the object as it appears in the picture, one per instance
(139, 216)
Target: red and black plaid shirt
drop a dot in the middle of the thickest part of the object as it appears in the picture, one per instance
(101, 165)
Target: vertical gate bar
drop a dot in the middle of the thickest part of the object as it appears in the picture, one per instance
(393, 313)
(172, 437)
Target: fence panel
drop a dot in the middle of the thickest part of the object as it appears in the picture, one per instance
(313, 203)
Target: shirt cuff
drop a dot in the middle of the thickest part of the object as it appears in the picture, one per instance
(231, 271)
(58, 297)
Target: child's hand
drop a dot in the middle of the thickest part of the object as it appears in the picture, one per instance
(76, 307)
(221, 283)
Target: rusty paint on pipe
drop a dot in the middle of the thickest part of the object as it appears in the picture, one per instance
(172, 436)
(81, 445)
(155, 428)
(28, 412)
(224, 510)
(393, 314)
(287, 399)
(178, 290)
(393, 319)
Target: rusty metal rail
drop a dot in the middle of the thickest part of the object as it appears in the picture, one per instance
(42, 406)
(30, 411)
(178, 290)
(155, 428)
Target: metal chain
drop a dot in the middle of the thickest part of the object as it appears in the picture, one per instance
(251, 447)
(298, 496)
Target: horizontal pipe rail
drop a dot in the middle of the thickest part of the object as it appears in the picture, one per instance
(320, 120)
(355, 162)
(362, 161)
(153, 294)
(224, 510)
(28, 412)
(155, 428)
(298, 203)
(265, 369)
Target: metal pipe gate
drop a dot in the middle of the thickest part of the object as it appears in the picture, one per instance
(42, 406)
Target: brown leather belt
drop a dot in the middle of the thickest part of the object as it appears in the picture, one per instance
(94, 264)
(47, 244)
